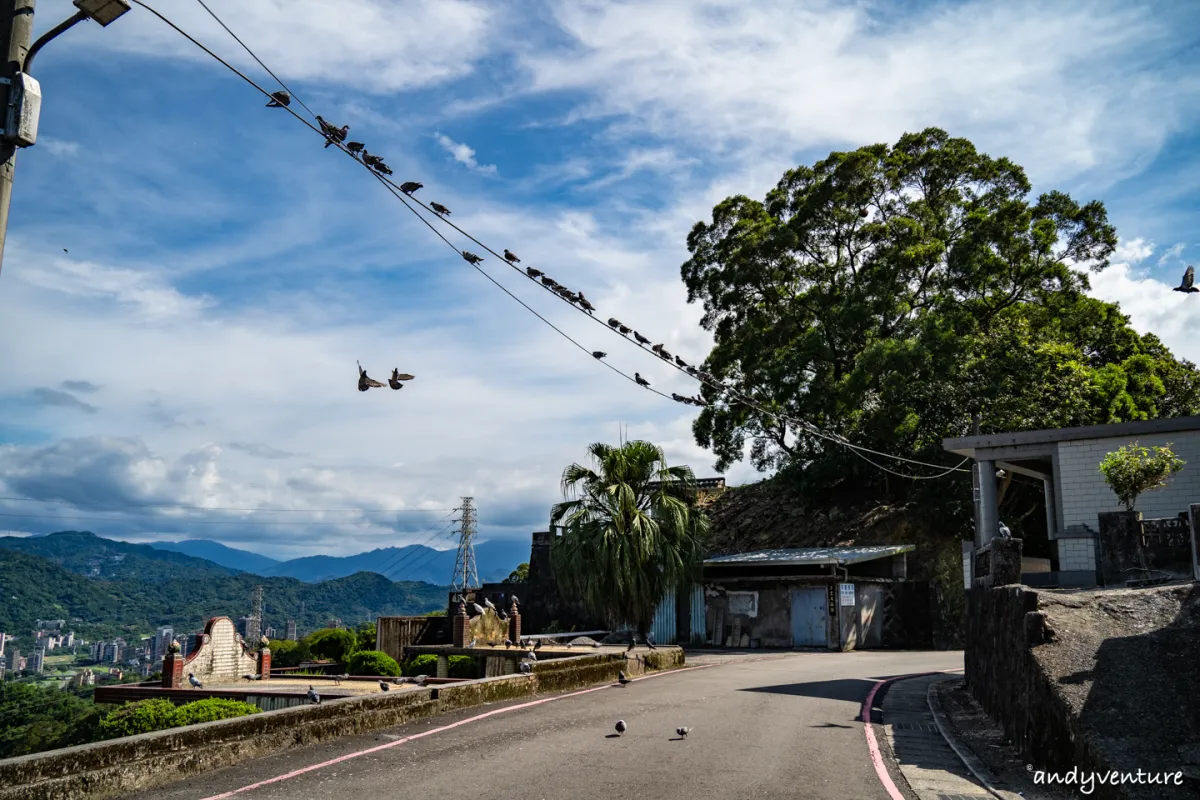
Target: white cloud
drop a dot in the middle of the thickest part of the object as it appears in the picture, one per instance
(58, 147)
(1152, 308)
(463, 154)
(1172, 253)
(145, 294)
(1133, 251)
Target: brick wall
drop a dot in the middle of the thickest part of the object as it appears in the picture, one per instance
(1085, 494)
(1077, 555)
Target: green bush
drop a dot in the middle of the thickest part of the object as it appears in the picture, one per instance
(372, 662)
(463, 667)
(332, 643)
(285, 653)
(421, 665)
(140, 717)
(213, 708)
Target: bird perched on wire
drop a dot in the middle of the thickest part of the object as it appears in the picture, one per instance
(621, 727)
(625, 329)
(397, 377)
(683, 732)
(371, 160)
(583, 302)
(534, 273)
(383, 687)
(1189, 279)
(438, 208)
(313, 697)
(279, 99)
(365, 382)
(598, 354)
(664, 355)
(641, 339)
(194, 681)
(613, 322)
(621, 679)
(382, 168)
(355, 147)
(680, 362)
(511, 257)
(333, 134)
(548, 281)
(640, 380)
(680, 398)
(696, 401)
(471, 258)
(656, 349)
(408, 187)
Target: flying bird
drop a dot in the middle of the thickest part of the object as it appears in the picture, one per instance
(534, 273)
(355, 147)
(438, 208)
(279, 99)
(613, 322)
(641, 339)
(640, 380)
(383, 686)
(1189, 278)
(583, 301)
(598, 354)
(408, 187)
(397, 377)
(64, 249)
(365, 382)
(862, 212)
(683, 732)
(621, 728)
(511, 257)
(471, 258)
(196, 684)
(313, 697)
(621, 679)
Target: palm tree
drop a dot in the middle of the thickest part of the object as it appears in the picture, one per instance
(630, 532)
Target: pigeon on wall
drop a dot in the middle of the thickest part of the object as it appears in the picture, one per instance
(194, 681)
(313, 697)
(383, 686)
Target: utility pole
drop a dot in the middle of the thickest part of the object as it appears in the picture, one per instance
(255, 628)
(466, 576)
(16, 29)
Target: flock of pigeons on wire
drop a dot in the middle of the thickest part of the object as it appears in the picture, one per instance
(337, 135)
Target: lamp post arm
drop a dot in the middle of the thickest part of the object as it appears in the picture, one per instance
(66, 24)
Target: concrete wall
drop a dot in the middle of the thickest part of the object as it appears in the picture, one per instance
(221, 653)
(137, 763)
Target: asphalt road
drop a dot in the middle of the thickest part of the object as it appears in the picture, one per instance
(762, 727)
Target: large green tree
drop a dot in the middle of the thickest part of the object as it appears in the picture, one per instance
(888, 293)
(631, 532)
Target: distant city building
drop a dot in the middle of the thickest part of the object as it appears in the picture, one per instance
(3, 669)
(70, 640)
(37, 662)
(269, 633)
(162, 641)
(111, 652)
(291, 630)
(250, 629)
(49, 624)
(3, 639)
(14, 660)
(85, 677)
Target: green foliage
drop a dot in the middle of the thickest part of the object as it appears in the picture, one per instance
(626, 542)
(372, 662)
(462, 667)
(100, 608)
(365, 636)
(140, 717)
(213, 708)
(34, 719)
(518, 575)
(1133, 470)
(437, 612)
(332, 644)
(286, 653)
(420, 665)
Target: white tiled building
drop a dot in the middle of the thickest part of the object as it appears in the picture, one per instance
(1067, 461)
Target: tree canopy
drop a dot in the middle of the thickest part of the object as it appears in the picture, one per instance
(888, 293)
(631, 531)
(1134, 470)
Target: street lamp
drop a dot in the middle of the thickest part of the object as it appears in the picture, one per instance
(102, 11)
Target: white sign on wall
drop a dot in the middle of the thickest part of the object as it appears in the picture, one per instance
(743, 603)
(846, 594)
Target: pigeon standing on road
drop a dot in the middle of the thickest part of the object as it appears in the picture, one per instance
(683, 732)
(511, 257)
(1189, 279)
(196, 684)
(621, 728)
(621, 679)
(313, 697)
(650, 642)
(279, 99)
(632, 643)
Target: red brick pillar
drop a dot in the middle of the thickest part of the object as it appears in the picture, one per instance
(172, 671)
(514, 623)
(461, 629)
(264, 663)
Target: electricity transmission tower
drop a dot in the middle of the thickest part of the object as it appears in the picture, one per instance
(254, 627)
(466, 576)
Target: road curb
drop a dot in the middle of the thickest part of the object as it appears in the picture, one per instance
(881, 770)
(970, 761)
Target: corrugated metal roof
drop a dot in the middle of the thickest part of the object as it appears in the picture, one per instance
(813, 555)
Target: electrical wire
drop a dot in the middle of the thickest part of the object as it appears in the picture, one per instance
(225, 508)
(189, 521)
(399, 558)
(391, 185)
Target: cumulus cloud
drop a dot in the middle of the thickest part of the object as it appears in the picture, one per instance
(1134, 251)
(463, 154)
(53, 397)
(1172, 253)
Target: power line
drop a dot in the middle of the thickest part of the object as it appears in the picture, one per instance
(805, 425)
(189, 521)
(408, 554)
(225, 508)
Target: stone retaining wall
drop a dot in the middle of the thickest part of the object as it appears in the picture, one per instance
(136, 763)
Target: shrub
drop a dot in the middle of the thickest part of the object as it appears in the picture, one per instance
(421, 665)
(211, 709)
(140, 717)
(372, 662)
(463, 667)
(1133, 470)
(332, 643)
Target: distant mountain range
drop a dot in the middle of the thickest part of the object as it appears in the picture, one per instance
(495, 560)
(105, 587)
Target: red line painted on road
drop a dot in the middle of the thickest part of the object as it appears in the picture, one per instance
(377, 748)
(873, 745)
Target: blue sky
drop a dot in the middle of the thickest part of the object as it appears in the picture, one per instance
(224, 272)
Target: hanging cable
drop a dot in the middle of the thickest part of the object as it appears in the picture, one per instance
(269, 510)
